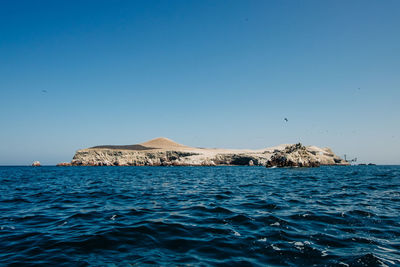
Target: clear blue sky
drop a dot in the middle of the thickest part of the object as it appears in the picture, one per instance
(203, 73)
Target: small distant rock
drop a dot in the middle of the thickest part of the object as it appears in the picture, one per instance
(62, 164)
(36, 164)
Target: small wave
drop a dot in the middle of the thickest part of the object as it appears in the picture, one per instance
(367, 260)
(361, 213)
(15, 200)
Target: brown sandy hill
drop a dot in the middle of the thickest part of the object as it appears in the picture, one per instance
(163, 143)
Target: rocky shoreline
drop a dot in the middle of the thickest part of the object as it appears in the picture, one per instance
(164, 152)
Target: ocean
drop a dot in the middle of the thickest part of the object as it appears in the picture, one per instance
(200, 216)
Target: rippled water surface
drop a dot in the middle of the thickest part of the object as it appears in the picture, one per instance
(333, 216)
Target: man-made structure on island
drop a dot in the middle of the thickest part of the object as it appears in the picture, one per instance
(165, 152)
(351, 161)
(36, 164)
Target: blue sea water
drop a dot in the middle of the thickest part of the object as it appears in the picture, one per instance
(207, 216)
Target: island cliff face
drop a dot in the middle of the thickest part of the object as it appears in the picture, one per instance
(164, 152)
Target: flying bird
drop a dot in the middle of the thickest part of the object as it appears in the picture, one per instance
(285, 119)
(44, 91)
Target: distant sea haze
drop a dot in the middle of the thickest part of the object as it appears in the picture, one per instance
(242, 216)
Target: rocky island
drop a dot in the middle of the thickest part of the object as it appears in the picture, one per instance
(165, 152)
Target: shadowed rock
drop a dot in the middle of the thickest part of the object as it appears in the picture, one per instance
(124, 147)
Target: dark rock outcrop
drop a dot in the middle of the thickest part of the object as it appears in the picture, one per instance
(294, 156)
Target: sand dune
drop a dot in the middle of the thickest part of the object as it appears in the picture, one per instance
(163, 143)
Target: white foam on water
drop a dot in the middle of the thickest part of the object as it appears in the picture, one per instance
(299, 245)
(275, 224)
(236, 233)
(382, 259)
(275, 247)
(387, 249)
(113, 217)
(5, 227)
(262, 239)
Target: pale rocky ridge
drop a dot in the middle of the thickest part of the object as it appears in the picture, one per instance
(165, 152)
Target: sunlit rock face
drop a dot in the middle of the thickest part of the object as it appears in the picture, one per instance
(294, 156)
(165, 152)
